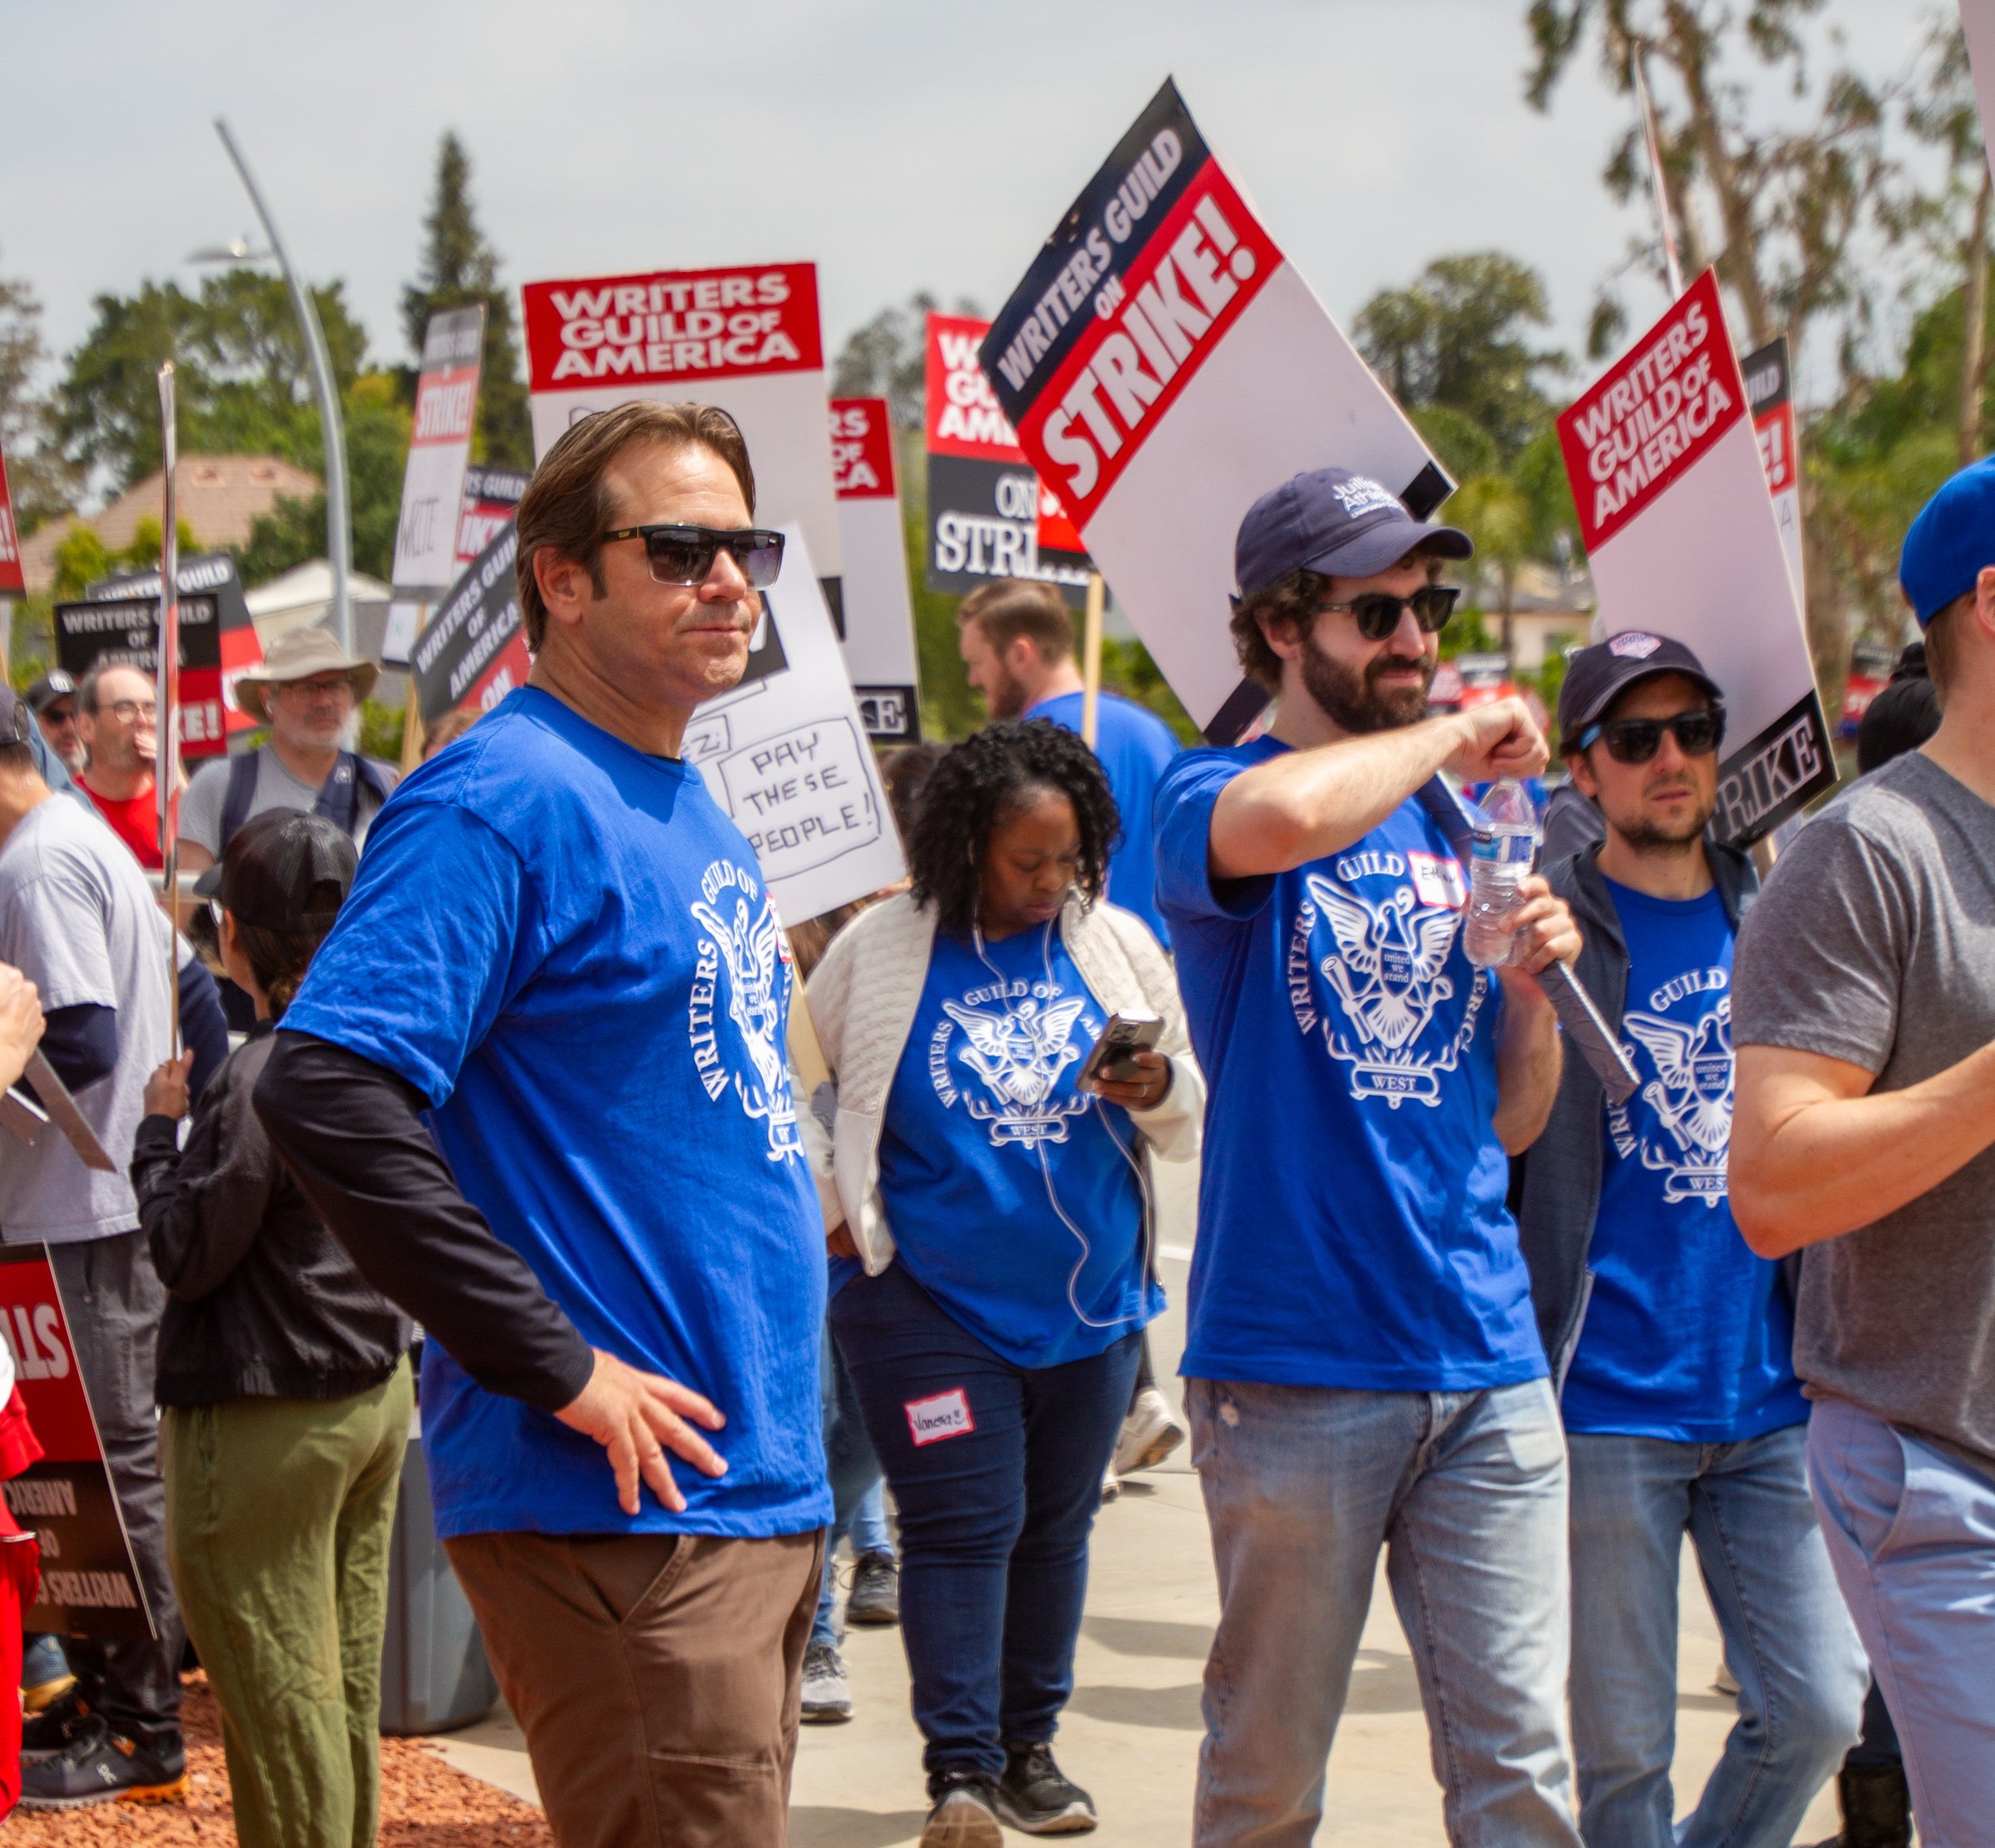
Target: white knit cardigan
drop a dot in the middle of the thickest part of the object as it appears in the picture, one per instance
(863, 997)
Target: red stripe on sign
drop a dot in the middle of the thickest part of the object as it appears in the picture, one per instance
(1777, 446)
(12, 583)
(862, 449)
(1154, 326)
(1653, 415)
(446, 401)
(672, 324)
(963, 417)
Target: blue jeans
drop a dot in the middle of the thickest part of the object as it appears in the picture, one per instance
(996, 1503)
(1787, 1637)
(1467, 1493)
(1910, 1529)
(858, 1506)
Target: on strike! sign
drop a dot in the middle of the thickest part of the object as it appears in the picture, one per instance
(1680, 529)
(1769, 386)
(1164, 366)
(12, 583)
(879, 630)
(989, 514)
(746, 339)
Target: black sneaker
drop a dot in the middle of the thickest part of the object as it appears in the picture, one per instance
(875, 1597)
(45, 1734)
(964, 1815)
(1034, 1796)
(99, 1766)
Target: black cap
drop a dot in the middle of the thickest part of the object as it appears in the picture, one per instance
(1331, 521)
(55, 684)
(1597, 677)
(278, 864)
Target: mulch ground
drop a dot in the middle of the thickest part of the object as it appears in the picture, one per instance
(424, 1803)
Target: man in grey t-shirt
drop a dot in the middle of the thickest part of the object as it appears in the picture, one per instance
(1864, 1013)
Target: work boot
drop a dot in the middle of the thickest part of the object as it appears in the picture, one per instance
(1034, 1795)
(1877, 1807)
(875, 1598)
(45, 1674)
(964, 1815)
(99, 1766)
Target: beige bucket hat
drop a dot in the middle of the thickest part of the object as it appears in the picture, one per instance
(304, 654)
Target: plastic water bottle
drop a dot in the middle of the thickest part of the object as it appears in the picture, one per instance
(1505, 843)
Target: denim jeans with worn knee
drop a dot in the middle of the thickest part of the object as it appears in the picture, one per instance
(1787, 1637)
(1466, 1491)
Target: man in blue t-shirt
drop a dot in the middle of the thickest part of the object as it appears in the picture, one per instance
(1016, 640)
(1672, 1342)
(1364, 1369)
(559, 948)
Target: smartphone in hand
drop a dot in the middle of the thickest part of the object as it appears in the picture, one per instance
(1109, 1056)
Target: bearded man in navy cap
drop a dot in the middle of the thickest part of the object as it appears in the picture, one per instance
(1364, 1368)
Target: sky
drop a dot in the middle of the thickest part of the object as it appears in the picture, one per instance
(902, 144)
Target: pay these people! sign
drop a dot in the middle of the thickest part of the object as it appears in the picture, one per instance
(877, 632)
(746, 339)
(1165, 366)
(1679, 524)
(989, 516)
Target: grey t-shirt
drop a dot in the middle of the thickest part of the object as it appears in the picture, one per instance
(276, 787)
(78, 919)
(1873, 942)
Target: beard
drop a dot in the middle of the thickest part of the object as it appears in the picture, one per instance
(1351, 698)
(1649, 834)
(1007, 699)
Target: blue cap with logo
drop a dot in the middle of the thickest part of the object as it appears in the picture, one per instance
(1332, 521)
(1951, 542)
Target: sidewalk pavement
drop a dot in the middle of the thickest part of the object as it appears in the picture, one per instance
(1131, 1736)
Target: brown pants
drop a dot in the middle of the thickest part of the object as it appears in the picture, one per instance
(656, 1677)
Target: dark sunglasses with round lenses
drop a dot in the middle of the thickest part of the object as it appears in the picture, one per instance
(685, 555)
(1376, 612)
(1636, 741)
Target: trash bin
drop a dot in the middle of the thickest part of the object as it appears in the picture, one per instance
(434, 1675)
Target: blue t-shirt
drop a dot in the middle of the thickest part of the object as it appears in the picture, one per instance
(1136, 748)
(1688, 1336)
(1352, 1229)
(1013, 1195)
(565, 945)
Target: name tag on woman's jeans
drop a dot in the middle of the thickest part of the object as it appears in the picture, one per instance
(946, 1414)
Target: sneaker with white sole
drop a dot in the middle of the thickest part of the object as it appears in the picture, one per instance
(828, 1696)
(1149, 1434)
(964, 1814)
(1034, 1795)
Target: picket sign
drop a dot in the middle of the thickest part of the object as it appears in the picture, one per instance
(878, 634)
(1978, 21)
(1678, 519)
(1164, 366)
(1769, 384)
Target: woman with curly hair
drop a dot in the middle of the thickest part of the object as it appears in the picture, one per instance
(991, 1224)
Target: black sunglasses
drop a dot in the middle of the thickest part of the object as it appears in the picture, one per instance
(684, 554)
(1636, 741)
(1376, 612)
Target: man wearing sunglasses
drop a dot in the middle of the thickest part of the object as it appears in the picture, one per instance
(1672, 1342)
(559, 949)
(1362, 1365)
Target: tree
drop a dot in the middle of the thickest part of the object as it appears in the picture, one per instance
(459, 269)
(82, 558)
(43, 483)
(887, 357)
(1456, 339)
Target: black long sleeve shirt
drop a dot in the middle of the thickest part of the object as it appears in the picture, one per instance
(352, 1133)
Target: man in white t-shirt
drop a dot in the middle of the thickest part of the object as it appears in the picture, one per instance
(79, 921)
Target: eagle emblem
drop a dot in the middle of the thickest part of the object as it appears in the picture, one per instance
(1691, 1095)
(1018, 1056)
(751, 958)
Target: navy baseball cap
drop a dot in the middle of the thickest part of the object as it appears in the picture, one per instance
(1332, 521)
(1597, 677)
(1950, 542)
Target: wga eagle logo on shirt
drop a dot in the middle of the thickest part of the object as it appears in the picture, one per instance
(1383, 965)
(743, 948)
(1687, 1126)
(1016, 1052)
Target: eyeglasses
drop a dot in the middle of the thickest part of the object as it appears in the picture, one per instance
(130, 712)
(1377, 612)
(685, 555)
(1636, 741)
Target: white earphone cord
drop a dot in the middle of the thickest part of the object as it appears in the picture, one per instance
(1045, 1171)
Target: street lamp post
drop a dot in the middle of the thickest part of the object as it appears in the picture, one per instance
(338, 528)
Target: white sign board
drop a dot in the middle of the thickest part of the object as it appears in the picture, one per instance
(1684, 541)
(785, 754)
(1164, 366)
(880, 617)
(432, 488)
(1978, 21)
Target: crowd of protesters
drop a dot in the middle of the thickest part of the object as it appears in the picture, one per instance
(514, 1066)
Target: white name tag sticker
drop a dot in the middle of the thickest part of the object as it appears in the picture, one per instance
(1437, 881)
(946, 1414)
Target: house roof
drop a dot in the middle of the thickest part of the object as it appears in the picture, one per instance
(220, 497)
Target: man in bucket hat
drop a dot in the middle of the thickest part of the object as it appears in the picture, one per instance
(305, 690)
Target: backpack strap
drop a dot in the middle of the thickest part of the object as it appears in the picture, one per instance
(243, 773)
